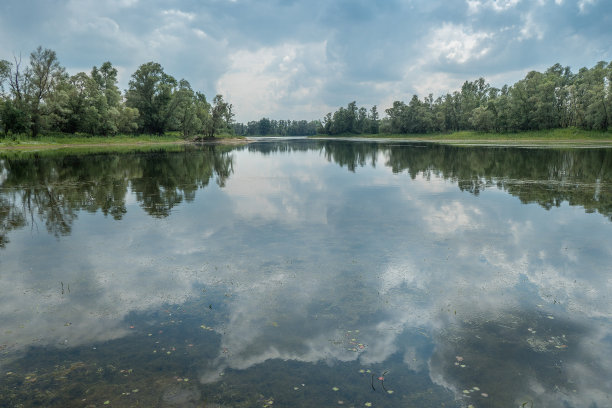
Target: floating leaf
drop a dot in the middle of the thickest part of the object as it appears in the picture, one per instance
(335, 388)
(390, 391)
(368, 404)
(106, 402)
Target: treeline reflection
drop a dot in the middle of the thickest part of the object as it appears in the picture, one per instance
(53, 188)
(548, 177)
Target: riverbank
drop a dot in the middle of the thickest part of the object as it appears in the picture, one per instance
(62, 141)
(569, 137)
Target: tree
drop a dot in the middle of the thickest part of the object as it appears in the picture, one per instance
(42, 76)
(221, 116)
(373, 119)
(151, 92)
(186, 109)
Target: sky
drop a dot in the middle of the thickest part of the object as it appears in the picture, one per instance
(299, 59)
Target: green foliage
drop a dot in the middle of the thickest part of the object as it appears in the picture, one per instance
(43, 98)
(151, 92)
(553, 99)
(220, 117)
(271, 127)
(350, 120)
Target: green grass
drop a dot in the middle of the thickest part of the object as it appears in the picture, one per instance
(61, 139)
(539, 136)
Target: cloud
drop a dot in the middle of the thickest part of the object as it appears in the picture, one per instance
(338, 51)
(457, 43)
(583, 5)
(474, 6)
(286, 79)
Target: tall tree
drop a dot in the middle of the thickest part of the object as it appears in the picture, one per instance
(220, 117)
(151, 92)
(42, 76)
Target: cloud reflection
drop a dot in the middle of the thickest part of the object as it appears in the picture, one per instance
(385, 254)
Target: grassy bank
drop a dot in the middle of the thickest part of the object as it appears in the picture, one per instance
(553, 136)
(59, 140)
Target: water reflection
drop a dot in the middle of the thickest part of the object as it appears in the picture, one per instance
(292, 271)
(54, 187)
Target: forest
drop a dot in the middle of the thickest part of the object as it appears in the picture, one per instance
(40, 97)
(556, 98)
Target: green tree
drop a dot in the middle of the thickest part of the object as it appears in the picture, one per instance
(186, 113)
(374, 121)
(41, 78)
(220, 117)
(151, 92)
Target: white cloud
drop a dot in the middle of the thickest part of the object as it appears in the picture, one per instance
(531, 28)
(287, 79)
(458, 43)
(584, 4)
(474, 6)
(178, 14)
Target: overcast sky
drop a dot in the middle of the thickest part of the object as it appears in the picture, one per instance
(299, 59)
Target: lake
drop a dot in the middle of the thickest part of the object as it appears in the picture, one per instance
(304, 273)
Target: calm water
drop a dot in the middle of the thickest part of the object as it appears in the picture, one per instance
(307, 273)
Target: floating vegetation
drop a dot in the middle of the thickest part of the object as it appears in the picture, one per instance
(350, 341)
(471, 352)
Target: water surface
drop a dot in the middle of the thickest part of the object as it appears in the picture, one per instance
(307, 273)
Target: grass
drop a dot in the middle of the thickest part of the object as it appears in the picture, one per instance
(54, 140)
(566, 135)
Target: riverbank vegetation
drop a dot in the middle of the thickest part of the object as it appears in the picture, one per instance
(40, 98)
(554, 99)
(41, 103)
(547, 136)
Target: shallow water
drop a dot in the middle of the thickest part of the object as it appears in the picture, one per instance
(300, 273)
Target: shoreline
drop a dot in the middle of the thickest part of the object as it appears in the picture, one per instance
(26, 146)
(578, 143)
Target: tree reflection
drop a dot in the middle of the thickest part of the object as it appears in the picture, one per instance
(53, 188)
(548, 177)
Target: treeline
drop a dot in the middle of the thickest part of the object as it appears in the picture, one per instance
(41, 97)
(267, 127)
(556, 98)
